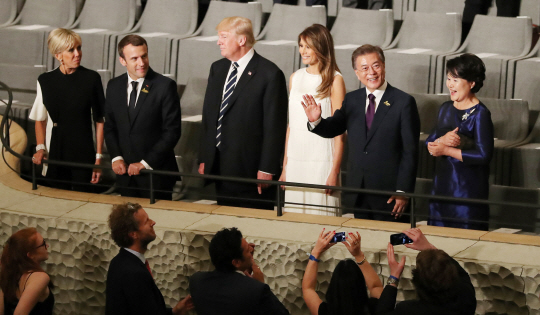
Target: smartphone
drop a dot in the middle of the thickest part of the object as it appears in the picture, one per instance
(399, 239)
(339, 237)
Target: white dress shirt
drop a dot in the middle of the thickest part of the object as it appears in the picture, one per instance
(136, 253)
(242, 64)
(129, 89)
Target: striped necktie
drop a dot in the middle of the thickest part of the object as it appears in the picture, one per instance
(229, 88)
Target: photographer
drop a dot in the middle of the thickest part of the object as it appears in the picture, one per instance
(347, 293)
(442, 285)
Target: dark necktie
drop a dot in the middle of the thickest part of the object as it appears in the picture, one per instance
(148, 267)
(133, 96)
(229, 88)
(370, 113)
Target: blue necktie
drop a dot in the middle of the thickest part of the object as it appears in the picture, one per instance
(229, 88)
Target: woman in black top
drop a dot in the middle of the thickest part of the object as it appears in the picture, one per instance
(25, 287)
(347, 292)
(67, 100)
(442, 285)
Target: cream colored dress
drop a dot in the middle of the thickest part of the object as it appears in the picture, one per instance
(309, 157)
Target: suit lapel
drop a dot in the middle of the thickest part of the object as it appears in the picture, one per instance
(362, 107)
(382, 110)
(123, 105)
(248, 73)
(221, 77)
(145, 90)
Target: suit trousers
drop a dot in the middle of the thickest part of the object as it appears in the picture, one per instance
(376, 202)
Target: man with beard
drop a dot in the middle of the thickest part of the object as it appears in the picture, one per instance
(130, 284)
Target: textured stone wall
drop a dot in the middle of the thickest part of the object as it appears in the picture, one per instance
(80, 253)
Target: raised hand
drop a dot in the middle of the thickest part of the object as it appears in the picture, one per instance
(312, 109)
(323, 243)
(420, 241)
(395, 268)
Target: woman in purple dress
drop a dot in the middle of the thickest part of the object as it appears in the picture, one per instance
(463, 144)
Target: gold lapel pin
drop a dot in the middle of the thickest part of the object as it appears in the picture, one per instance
(386, 103)
(144, 90)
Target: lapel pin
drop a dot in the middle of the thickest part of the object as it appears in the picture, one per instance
(144, 90)
(386, 103)
(249, 73)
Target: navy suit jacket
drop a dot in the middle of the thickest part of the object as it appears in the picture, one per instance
(153, 131)
(386, 157)
(230, 293)
(131, 289)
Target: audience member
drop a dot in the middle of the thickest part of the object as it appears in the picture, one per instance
(347, 293)
(237, 285)
(383, 129)
(130, 284)
(25, 288)
(506, 8)
(143, 123)
(309, 158)
(67, 99)
(442, 285)
(244, 118)
(463, 143)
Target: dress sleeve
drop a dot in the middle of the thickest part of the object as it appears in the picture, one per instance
(483, 140)
(38, 112)
(98, 103)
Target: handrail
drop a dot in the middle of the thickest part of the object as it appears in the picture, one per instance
(412, 196)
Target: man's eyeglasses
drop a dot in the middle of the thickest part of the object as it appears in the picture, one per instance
(44, 244)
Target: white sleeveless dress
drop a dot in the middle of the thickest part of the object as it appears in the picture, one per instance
(309, 157)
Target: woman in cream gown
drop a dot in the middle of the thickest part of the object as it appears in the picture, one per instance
(309, 158)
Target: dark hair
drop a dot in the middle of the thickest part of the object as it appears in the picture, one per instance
(347, 292)
(468, 67)
(225, 246)
(364, 50)
(320, 40)
(122, 222)
(134, 40)
(15, 261)
(435, 276)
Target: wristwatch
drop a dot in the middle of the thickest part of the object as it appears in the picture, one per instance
(393, 280)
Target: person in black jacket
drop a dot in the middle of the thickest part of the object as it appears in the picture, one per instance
(130, 284)
(442, 285)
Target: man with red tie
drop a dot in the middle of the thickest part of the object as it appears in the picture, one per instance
(130, 284)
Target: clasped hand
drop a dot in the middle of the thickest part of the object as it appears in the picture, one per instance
(450, 139)
(120, 167)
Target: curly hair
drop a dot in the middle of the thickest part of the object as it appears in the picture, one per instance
(435, 276)
(225, 246)
(468, 67)
(15, 261)
(122, 222)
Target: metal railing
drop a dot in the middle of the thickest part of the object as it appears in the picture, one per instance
(278, 199)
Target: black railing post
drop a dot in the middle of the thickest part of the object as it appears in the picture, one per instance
(34, 181)
(152, 198)
(413, 218)
(278, 200)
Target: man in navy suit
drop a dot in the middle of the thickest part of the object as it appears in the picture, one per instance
(383, 130)
(142, 123)
(237, 285)
(130, 285)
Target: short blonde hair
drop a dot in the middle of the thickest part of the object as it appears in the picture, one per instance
(239, 25)
(62, 39)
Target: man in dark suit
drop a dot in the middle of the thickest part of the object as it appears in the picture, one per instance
(383, 130)
(244, 118)
(237, 285)
(142, 124)
(130, 285)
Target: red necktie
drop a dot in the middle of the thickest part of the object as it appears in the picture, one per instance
(370, 113)
(148, 267)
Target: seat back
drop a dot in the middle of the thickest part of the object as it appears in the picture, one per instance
(438, 6)
(287, 21)
(530, 8)
(375, 27)
(218, 10)
(118, 15)
(510, 118)
(428, 109)
(193, 97)
(8, 13)
(55, 13)
(499, 35)
(169, 16)
(435, 31)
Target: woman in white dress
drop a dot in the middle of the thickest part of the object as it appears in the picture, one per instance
(309, 158)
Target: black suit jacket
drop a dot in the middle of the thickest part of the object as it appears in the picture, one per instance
(230, 293)
(255, 124)
(131, 290)
(386, 157)
(153, 131)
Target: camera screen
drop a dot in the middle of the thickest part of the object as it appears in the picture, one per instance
(399, 239)
(339, 237)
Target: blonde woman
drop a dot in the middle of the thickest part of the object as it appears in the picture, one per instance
(68, 97)
(308, 157)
